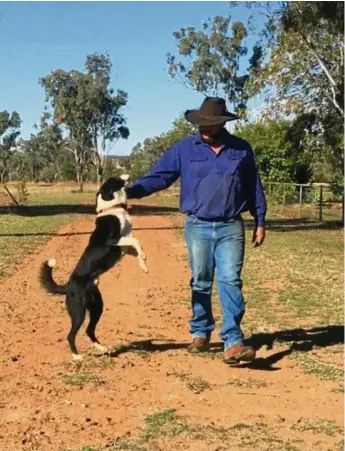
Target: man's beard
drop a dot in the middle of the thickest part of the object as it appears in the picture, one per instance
(216, 138)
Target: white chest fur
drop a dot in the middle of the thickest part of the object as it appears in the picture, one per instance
(123, 217)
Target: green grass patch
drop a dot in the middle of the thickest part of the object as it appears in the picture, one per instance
(80, 379)
(167, 428)
(22, 234)
(322, 370)
(62, 198)
(195, 384)
(90, 362)
(296, 275)
(143, 354)
(163, 424)
(318, 426)
(246, 383)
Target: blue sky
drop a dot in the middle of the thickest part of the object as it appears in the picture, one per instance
(39, 37)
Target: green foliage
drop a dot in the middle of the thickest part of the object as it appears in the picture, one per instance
(298, 67)
(89, 109)
(9, 128)
(80, 379)
(9, 132)
(325, 168)
(274, 153)
(281, 194)
(211, 59)
(42, 156)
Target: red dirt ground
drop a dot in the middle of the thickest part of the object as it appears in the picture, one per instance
(39, 411)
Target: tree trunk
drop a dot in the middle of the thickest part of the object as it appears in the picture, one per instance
(81, 180)
(79, 175)
(59, 171)
(99, 176)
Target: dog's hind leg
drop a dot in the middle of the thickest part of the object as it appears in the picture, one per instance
(95, 307)
(77, 318)
(77, 321)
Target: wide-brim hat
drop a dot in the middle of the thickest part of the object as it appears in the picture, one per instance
(212, 112)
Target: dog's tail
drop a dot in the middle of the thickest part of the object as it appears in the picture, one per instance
(46, 278)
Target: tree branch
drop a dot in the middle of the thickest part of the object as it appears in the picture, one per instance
(312, 48)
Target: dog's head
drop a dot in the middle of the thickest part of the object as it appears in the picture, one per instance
(112, 193)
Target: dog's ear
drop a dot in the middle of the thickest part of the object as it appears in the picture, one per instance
(108, 189)
(111, 186)
(125, 177)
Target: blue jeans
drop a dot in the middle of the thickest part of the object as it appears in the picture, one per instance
(216, 246)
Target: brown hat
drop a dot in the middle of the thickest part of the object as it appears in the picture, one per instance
(212, 112)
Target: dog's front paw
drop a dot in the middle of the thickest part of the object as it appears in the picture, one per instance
(77, 357)
(100, 348)
(142, 265)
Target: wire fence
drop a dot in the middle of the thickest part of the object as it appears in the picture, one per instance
(316, 201)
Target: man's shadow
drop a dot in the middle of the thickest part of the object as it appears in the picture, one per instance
(302, 340)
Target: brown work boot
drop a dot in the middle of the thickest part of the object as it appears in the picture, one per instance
(238, 353)
(199, 344)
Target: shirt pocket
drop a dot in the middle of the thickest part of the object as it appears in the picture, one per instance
(199, 166)
(235, 160)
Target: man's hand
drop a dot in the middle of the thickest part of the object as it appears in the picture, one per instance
(258, 236)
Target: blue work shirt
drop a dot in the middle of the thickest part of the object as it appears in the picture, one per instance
(213, 186)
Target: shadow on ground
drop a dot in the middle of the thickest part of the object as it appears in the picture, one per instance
(302, 340)
(47, 210)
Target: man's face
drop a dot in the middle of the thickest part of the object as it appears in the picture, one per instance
(209, 132)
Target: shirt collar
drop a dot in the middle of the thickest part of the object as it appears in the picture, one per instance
(198, 140)
(227, 144)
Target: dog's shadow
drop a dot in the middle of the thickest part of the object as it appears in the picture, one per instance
(300, 340)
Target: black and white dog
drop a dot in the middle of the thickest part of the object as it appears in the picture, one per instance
(111, 239)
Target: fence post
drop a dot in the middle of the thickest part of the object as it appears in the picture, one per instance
(284, 195)
(300, 200)
(269, 190)
(321, 200)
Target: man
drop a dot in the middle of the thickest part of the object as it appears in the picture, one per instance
(219, 181)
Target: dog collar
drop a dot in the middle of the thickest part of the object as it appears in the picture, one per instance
(114, 207)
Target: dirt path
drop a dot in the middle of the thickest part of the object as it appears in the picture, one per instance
(49, 404)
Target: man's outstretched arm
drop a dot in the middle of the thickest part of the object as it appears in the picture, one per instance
(163, 174)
